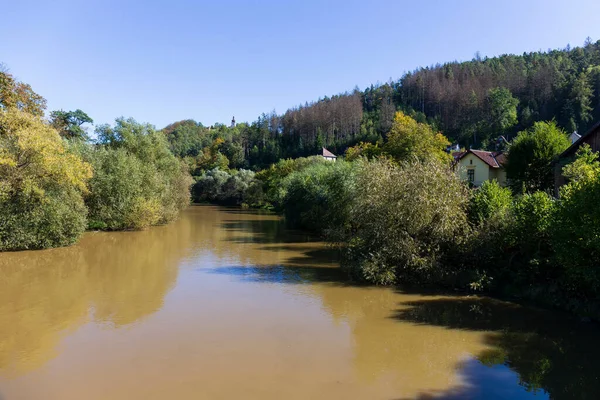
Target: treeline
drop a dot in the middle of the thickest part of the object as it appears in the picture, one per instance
(472, 103)
(400, 214)
(55, 182)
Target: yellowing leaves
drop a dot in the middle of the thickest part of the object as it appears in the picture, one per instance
(33, 156)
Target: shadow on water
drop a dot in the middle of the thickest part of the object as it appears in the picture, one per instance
(530, 353)
(264, 231)
(553, 356)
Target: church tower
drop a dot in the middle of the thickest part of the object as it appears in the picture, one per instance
(233, 122)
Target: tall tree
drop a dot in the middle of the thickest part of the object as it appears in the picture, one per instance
(69, 123)
(531, 154)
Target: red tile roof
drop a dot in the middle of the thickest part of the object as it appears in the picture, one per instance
(494, 159)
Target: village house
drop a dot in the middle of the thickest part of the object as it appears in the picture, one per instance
(591, 138)
(329, 156)
(478, 166)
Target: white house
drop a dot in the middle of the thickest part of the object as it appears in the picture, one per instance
(478, 166)
(326, 154)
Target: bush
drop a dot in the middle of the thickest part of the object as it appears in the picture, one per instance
(576, 235)
(41, 185)
(30, 222)
(405, 220)
(228, 187)
(273, 176)
(489, 201)
(317, 198)
(137, 181)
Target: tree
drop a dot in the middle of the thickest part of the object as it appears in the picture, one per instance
(531, 154)
(41, 185)
(411, 139)
(138, 181)
(19, 95)
(577, 225)
(403, 220)
(68, 123)
(501, 112)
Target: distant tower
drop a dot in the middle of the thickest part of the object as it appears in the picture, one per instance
(233, 122)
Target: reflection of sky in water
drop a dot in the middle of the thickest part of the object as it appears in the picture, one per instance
(490, 383)
(224, 296)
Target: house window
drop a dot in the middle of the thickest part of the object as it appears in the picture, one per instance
(471, 175)
(471, 162)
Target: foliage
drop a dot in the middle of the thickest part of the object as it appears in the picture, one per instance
(404, 220)
(363, 149)
(19, 95)
(531, 154)
(576, 231)
(585, 167)
(501, 112)
(409, 138)
(138, 182)
(317, 197)
(41, 185)
(229, 188)
(68, 123)
(273, 176)
(490, 201)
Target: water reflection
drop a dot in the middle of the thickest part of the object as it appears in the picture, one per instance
(551, 353)
(227, 303)
(487, 349)
(112, 278)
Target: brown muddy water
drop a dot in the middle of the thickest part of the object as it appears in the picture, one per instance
(227, 304)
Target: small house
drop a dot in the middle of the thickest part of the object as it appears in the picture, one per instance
(329, 156)
(478, 166)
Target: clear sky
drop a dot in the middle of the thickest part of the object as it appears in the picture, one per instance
(163, 61)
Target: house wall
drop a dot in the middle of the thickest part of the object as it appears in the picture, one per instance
(498, 174)
(482, 170)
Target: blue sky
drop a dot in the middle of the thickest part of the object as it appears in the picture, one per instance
(163, 61)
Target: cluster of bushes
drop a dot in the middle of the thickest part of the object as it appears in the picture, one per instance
(41, 187)
(137, 181)
(52, 189)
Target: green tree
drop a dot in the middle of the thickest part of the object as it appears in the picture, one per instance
(501, 112)
(138, 181)
(404, 221)
(531, 154)
(41, 185)
(68, 123)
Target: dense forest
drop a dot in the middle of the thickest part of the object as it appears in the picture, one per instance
(472, 103)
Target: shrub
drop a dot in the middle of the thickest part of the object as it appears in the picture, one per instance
(489, 201)
(317, 198)
(405, 220)
(273, 176)
(576, 232)
(41, 185)
(138, 182)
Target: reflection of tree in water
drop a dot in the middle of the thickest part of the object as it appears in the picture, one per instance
(41, 294)
(123, 276)
(549, 352)
(134, 272)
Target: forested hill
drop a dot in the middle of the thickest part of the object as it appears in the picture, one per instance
(471, 102)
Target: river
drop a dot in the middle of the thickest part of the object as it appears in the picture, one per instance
(228, 304)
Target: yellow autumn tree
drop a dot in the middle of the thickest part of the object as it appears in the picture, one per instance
(41, 185)
(411, 139)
